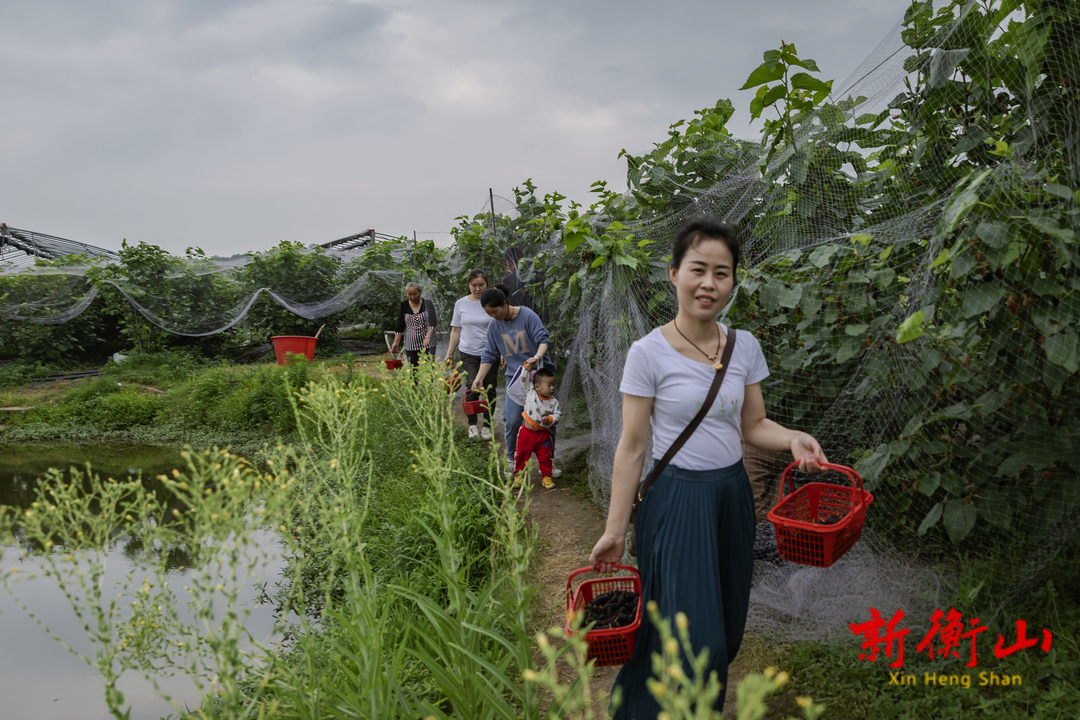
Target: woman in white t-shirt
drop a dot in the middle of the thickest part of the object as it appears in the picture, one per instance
(695, 526)
(468, 334)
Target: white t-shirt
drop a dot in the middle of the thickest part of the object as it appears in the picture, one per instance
(473, 321)
(679, 386)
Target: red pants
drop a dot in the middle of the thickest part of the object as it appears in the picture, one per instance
(530, 441)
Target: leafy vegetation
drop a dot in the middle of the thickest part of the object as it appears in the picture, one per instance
(945, 277)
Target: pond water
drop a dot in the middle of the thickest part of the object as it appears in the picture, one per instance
(39, 678)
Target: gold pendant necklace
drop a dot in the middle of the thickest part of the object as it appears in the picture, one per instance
(712, 358)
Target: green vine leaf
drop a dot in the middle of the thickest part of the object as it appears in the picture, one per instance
(964, 198)
(911, 328)
(805, 81)
(929, 483)
(943, 64)
(1014, 464)
(959, 518)
(763, 74)
(995, 507)
(981, 298)
(572, 240)
(849, 348)
(931, 519)
(821, 256)
(789, 297)
(1063, 349)
(995, 234)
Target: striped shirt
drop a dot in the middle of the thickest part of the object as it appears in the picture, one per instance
(414, 325)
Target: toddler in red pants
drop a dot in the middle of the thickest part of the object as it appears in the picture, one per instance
(541, 412)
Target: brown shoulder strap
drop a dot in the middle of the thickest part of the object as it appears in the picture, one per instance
(714, 389)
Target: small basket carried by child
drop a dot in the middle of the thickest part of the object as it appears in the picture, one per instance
(819, 522)
(474, 407)
(393, 362)
(614, 644)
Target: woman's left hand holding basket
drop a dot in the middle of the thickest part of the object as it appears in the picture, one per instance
(808, 453)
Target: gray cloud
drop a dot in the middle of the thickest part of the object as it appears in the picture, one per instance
(237, 124)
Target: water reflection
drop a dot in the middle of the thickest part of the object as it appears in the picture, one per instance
(22, 465)
(40, 679)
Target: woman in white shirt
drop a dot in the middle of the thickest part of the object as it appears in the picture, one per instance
(695, 526)
(468, 334)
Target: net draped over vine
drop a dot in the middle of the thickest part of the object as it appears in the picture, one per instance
(911, 254)
(199, 296)
(193, 299)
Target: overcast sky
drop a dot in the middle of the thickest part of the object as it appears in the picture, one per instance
(234, 124)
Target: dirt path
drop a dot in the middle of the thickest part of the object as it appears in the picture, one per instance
(570, 525)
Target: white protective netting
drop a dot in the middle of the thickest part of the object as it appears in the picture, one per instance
(198, 297)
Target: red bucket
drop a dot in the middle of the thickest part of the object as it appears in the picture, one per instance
(819, 522)
(299, 344)
(611, 646)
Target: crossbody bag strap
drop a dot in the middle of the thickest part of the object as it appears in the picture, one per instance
(714, 389)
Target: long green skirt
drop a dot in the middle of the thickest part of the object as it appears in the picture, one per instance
(695, 552)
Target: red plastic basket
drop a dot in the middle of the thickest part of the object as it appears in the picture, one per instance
(474, 407)
(393, 363)
(452, 383)
(801, 536)
(606, 647)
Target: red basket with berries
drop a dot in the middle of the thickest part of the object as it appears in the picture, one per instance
(614, 605)
(819, 522)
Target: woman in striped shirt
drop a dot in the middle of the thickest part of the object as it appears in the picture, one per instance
(416, 321)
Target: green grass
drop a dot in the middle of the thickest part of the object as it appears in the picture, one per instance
(174, 397)
(14, 374)
(576, 476)
(1050, 688)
